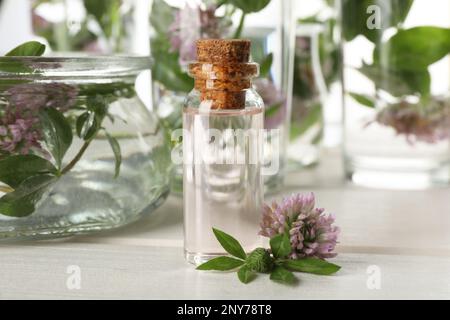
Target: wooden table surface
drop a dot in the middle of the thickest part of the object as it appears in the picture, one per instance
(394, 244)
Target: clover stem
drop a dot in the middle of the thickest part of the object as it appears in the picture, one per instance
(77, 158)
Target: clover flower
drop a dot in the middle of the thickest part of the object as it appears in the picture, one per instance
(418, 124)
(19, 137)
(30, 98)
(20, 132)
(311, 232)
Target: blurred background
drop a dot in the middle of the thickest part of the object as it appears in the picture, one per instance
(374, 81)
(357, 91)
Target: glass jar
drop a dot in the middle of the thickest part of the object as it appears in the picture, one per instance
(268, 24)
(397, 92)
(79, 152)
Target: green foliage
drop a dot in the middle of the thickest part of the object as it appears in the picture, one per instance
(221, 264)
(105, 12)
(249, 6)
(246, 275)
(312, 265)
(398, 82)
(27, 49)
(283, 275)
(98, 104)
(260, 261)
(57, 133)
(22, 201)
(14, 170)
(112, 90)
(115, 146)
(169, 73)
(230, 244)
(259, 55)
(272, 110)
(400, 64)
(30, 176)
(314, 115)
(12, 67)
(355, 16)
(87, 126)
(167, 69)
(265, 65)
(414, 49)
(162, 17)
(363, 99)
(280, 245)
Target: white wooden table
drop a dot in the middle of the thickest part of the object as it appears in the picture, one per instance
(404, 237)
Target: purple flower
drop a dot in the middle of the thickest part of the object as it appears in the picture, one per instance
(311, 232)
(19, 136)
(185, 30)
(192, 23)
(274, 101)
(429, 125)
(30, 98)
(20, 132)
(212, 26)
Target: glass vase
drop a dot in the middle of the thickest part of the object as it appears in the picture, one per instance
(307, 125)
(317, 94)
(176, 27)
(397, 99)
(79, 152)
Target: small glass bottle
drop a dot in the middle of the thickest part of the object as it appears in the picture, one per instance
(223, 119)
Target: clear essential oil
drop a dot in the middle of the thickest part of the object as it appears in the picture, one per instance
(223, 121)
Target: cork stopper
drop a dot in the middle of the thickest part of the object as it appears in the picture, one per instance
(223, 50)
(223, 72)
